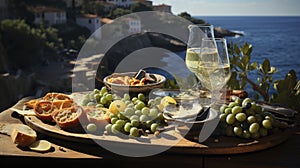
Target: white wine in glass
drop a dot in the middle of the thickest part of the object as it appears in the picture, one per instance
(213, 65)
(196, 33)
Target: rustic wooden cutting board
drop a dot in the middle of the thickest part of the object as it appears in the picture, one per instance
(170, 140)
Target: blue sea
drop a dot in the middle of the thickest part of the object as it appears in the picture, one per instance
(274, 37)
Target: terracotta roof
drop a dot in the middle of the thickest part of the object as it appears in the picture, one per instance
(106, 20)
(92, 16)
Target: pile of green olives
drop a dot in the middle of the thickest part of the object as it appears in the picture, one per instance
(246, 119)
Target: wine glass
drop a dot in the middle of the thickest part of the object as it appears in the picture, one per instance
(213, 68)
(196, 33)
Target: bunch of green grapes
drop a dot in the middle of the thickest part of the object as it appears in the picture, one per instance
(138, 117)
(246, 119)
(98, 98)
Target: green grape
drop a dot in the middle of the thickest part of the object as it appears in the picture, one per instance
(251, 119)
(139, 105)
(134, 132)
(157, 100)
(127, 102)
(267, 124)
(269, 116)
(97, 97)
(134, 99)
(230, 119)
(253, 128)
(253, 106)
(114, 120)
(138, 112)
(91, 127)
(143, 118)
(238, 101)
(153, 127)
(228, 110)
(153, 112)
(108, 128)
(103, 100)
(131, 105)
(223, 117)
(134, 117)
(91, 104)
(148, 123)
(85, 101)
(115, 128)
(111, 115)
(126, 96)
(99, 106)
(232, 104)
(91, 96)
(145, 110)
(236, 109)
(240, 117)
(121, 116)
(141, 97)
(120, 122)
(127, 127)
(151, 103)
(103, 90)
(135, 123)
(238, 131)
(222, 108)
(128, 111)
(109, 97)
(96, 91)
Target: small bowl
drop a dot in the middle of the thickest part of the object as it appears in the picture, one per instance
(121, 88)
(190, 126)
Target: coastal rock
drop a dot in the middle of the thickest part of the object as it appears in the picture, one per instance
(221, 32)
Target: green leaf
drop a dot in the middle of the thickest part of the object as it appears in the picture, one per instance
(245, 60)
(236, 48)
(253, 66)
(266, 66)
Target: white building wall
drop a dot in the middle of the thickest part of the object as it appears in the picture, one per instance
(93, 24)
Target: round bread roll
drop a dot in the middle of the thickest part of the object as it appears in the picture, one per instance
(43, 110)
(68, 118)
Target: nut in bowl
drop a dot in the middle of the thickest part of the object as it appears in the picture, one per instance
(134, 82)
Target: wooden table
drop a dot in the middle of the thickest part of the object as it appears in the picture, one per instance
(63, 152)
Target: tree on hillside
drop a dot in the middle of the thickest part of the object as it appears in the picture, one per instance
(139, 7)
(26, 46)
(192, 19)
(118, 12)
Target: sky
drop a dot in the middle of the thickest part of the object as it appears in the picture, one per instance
(234, 7)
